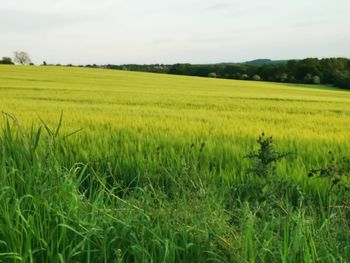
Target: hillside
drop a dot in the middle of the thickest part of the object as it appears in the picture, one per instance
(118, 95)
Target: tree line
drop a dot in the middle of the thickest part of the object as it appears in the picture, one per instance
(329, 71)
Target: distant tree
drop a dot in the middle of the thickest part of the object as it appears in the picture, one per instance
(316, 80)
(292, 79)
(308, 78)
(283, 77)
(44, 63)
(237, 76)
(22, 58)
(268, 72)
(212, 75)
(245, 76)
(6, 60)
(179, 69)
(256, 77)
(342, 79)
(308, 66)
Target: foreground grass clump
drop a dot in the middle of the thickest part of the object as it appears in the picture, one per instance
(49, 213)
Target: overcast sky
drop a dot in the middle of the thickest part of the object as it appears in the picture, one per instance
(170, 31)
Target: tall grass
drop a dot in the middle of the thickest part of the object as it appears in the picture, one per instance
(87, 212)
(50, 212)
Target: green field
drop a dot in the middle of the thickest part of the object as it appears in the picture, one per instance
(156, 171)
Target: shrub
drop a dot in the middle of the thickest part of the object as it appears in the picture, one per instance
(316, 80)
(212, 75)
(6, 60)
(337, 171)
(256, 77)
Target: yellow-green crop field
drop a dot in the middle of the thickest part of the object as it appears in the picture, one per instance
(174, 105)
(157, 171)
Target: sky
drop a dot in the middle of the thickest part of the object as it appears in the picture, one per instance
(173, 31)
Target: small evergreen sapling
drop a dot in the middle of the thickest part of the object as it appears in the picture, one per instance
(265, 158)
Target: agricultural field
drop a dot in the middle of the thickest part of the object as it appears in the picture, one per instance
(113, 166)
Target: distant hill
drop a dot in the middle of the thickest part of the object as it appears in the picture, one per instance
(255, 62)
(265, 62)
